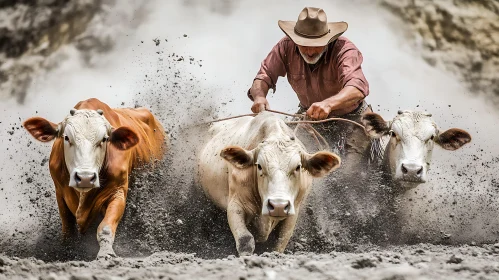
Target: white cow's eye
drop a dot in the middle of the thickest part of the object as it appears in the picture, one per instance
(105, 139)
(392, 133)
(432, 137)
(259, 166)
(298, 168)
(66, 138)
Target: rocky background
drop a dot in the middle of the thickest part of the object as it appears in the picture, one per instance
(33, 34)
(461, 36)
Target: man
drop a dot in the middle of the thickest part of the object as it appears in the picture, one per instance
(325, 71)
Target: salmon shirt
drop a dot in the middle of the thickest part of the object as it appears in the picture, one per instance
(339, 66)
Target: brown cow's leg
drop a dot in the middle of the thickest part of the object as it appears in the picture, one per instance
(107, 228)
(286, 229)
(68, 220)
(245, 243)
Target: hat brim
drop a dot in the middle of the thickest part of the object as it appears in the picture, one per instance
(335, 31)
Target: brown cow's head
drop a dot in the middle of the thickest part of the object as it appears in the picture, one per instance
(283, 170)
(86, 134)
(412, 138)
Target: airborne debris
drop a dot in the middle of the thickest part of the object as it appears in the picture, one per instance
(156, 41)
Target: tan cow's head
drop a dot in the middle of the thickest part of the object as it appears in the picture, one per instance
(283, 171)
(86, 134)
(412, 138)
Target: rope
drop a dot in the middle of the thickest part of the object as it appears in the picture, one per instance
(290, 115)
(230, 118)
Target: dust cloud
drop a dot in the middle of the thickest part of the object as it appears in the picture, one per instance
(206, 59)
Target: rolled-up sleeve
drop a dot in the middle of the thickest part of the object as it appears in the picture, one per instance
(350, 71)
(272, 66)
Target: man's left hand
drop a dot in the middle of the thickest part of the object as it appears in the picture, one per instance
(319, 110)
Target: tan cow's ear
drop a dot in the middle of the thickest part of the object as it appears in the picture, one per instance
(237, 156)
(123, 138)
(320, 163)
(375, 125)
(453, 139)
(41, 129)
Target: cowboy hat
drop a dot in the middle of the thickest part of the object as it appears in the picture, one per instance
(312, 28)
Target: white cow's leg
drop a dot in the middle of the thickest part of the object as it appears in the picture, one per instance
(286, 229)
(107, 228)
(245, 243)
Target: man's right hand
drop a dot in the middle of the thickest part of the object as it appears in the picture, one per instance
(260, 104)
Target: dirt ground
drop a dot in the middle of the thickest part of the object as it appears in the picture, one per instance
(421, 261)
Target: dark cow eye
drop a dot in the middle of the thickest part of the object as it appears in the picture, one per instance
(66, 138)
(298, 168)
(259, 166)
(432, 137)
(105, 139)
(392, 133)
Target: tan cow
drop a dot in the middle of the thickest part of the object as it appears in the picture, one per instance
(257, 170)
(94, 151)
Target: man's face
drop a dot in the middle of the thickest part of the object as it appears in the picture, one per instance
(311, 55)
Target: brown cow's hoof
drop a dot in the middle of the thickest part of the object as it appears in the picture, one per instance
(246, 245)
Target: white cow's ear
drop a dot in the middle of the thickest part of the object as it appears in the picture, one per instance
(375, 125)
(41, 129)
(320, 163)
(238, 157)
(453, 139)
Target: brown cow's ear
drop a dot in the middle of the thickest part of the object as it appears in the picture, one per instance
(320, 163)
(375, 125)
(453, 139)
(41, 129)
(237, 156)
(124, 138)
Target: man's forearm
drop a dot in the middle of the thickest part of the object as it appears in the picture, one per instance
(259, 89)
(345, 99)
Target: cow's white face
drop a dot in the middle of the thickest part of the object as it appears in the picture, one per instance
(412, 138)
(283, 172)
(85, 133)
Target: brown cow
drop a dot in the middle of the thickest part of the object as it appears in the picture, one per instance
(95, 150)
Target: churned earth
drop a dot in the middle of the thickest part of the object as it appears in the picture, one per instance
(421, 261)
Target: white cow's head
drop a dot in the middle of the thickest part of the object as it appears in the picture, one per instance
(283, 171)
(412, 138)
(86, 134)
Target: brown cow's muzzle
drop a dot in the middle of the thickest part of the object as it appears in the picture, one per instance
(278, 207)
(85, 179)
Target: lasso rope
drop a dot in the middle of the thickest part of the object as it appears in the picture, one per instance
(290, 115)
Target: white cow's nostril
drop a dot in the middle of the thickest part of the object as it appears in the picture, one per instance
(420, 171)
(404, 170)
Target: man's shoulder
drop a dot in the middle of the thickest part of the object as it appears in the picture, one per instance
(343, 44)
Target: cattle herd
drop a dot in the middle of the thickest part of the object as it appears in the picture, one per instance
(255, 168)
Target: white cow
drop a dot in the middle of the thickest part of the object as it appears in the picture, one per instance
(257, 170)
(412, 138)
